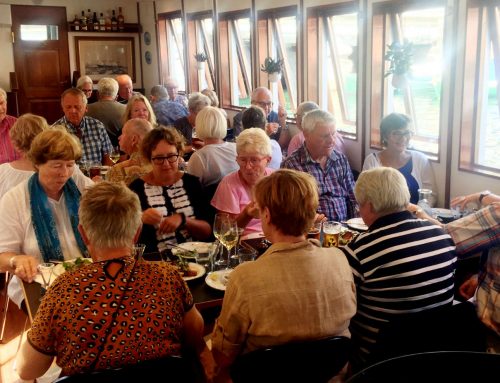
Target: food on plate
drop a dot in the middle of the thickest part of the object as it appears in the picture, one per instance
(346, 236)
(76, 264)
(183, 266)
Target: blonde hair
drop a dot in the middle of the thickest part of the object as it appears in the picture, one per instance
(25, 129)
(3, 94)
(211, 123)
(54, 143)
(283, 192)
(214, 100)
(130, 104)
(110, 214)
(254, 140)
(385, 188)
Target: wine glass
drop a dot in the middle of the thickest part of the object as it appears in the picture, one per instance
(219, 220)
(45, 270)
(229, 238)
(115, 155)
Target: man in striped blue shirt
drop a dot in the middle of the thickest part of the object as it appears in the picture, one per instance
(401, 264)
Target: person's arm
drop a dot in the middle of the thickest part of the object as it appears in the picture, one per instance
(193, 330)
(483, 198)
(421, 214)
(30, 363)
(21, 265)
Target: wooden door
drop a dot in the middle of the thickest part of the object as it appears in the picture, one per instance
(41, 58)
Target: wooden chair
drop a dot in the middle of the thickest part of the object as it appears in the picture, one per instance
(432, 367)
(3, 321)
(312, 361)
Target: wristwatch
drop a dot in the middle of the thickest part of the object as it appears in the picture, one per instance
(482, 195)
(183, 221)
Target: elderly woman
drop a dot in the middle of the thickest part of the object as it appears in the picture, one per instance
(7, 152)
(40, 215)
(21, 134)
(401, 265)
(415, 166)
(171, 200)
(86, 85)
(136, 166)
(255, 314)
(138, 106)
(234, 194)
(110, 221)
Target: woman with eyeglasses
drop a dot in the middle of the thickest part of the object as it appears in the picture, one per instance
(171, 200)
(395, 136)
(234, 193)
(86, 85)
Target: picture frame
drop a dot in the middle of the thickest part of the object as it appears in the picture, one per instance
(99, 57)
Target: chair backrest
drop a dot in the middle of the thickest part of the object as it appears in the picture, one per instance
(173, 369)
(312, 361)
(433, 367)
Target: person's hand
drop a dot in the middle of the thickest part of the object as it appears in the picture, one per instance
(25, 267)
(320, 218)
(271, 128)
(252, 210)
(151, 216)
(412, 208)
(468, 288)
(463, 201)
(170, 224)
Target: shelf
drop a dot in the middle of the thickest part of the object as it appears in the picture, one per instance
(129, 28)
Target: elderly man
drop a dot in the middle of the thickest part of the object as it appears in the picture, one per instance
(125, 88)
(401, 264)
(166, 111)
(172, 88)
(91, 132)
(331, 169)
(7, 151)
(136, 166)
(107, 109)
(186, 125)
(262, 97)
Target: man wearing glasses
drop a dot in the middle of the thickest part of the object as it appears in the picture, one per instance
(262, 97)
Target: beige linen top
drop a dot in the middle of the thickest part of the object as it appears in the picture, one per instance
(127, 171)
(292, 292)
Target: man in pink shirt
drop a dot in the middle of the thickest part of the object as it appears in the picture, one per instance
(7, 151)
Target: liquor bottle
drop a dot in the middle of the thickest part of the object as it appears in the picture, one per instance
(102, 23)
(76, 23)
(95, 23)
(83, 22)
(89, 16)
(121, 20)
(114, 22)
(107, 23)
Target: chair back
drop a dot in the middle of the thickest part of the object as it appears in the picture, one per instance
(173, 369)
(312, 361)
(432, 367)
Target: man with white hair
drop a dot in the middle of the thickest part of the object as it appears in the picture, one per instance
(172, 89)
(331, 169)
(7, 151)
(107, 109)
(166, 111)
(125, 88)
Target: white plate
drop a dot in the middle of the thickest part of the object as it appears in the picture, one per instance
(56, 271)
(199, 247)
(218, 279)
(200, 271)
(446, 213)
(357, 224)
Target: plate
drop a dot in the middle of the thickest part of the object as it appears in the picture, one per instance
(56, 271)
(200, 271)
(447, 213)
(199, 247)
(218, 279)
(357, 224)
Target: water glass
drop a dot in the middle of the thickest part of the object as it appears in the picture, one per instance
(331, 231)
(246, 255)
(205, 259)
(138, 250)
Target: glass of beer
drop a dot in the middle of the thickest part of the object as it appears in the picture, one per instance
(315, 231)
(331, 231)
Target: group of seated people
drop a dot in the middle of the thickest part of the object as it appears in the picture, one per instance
(404, 263)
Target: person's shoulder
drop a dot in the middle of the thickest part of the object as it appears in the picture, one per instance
(10, 119)
(417, 155)
(136, 184)
(295, 159)
(93, 121)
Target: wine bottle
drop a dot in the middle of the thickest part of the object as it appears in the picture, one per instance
(114, 22)
(83, 22)
(95, 22)
(107, 23)
(102, 23)
(76, 23)
(121, 20)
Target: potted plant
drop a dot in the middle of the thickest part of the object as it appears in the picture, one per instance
(201, 57)
(400, 56)
(273, 68)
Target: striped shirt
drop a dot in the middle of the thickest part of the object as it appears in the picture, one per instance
(335, 183)
(400, 265)
(7, 151)
(478, 232)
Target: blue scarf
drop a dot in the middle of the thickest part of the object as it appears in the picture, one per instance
(43, 220)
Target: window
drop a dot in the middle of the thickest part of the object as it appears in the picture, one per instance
(480, 138)
(170, 31)
(419, 93)
(277, 38)
(332, 62)
(235, 58)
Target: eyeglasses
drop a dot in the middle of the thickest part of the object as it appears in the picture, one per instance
(263, 104)
(87, 90)
(253, 161)
(401, 133)
(160, 160)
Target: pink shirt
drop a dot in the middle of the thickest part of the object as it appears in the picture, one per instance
(7, 151)
(233, 195)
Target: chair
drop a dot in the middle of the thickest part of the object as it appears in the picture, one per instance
(5, 305)
(433, 367)
(310, 361)
(172, 369)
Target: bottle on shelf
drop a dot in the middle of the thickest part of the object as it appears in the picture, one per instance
(114, 22)
(102, 23)
(83, 22)
(95, 23)
(89, 16)
(121, 20)
(76, 23)
(107, 23)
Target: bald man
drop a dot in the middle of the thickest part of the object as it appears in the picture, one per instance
(125, 88)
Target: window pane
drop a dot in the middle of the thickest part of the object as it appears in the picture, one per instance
(240, 59)
(175, 43)
(287, 30)
(39, 32)
(204, 43)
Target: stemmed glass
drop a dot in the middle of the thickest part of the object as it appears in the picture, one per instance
(228, 235)
(219, 220)
(115, 155)
(45, 270)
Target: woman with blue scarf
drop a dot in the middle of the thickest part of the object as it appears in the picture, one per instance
(40, 216)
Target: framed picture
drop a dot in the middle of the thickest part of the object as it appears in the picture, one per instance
(99, 57)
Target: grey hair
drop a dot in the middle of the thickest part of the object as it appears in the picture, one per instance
(84, 80)
(315, 117)
(108, 87)
(197, 102)
(385, 188)
(211, 123)
(254, 140)
(139, 126)
(159, 91)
